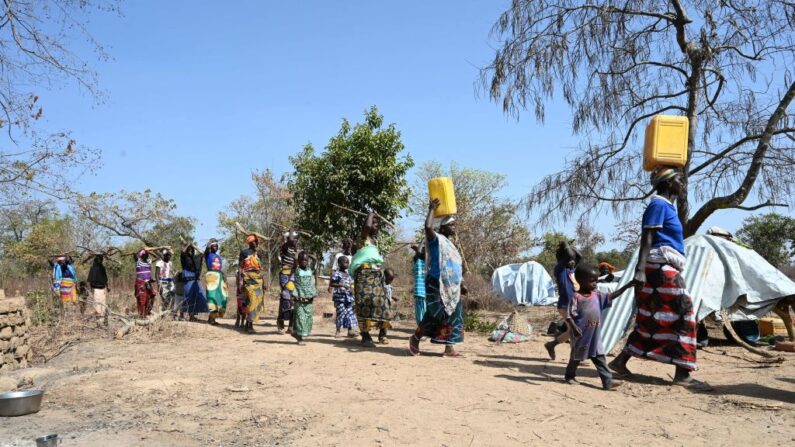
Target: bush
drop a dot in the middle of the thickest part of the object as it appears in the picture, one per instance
(40, 303)
(473, 323)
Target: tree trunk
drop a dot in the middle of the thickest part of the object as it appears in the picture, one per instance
(693, 101)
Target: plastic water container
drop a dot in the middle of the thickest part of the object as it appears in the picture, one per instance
(442, 188)
(666, 142)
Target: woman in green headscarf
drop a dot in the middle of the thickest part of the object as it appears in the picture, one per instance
(373, 307)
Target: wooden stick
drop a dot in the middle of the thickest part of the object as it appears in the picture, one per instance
(304, 232)
(365, 214)
(243, 230)
(728, 326)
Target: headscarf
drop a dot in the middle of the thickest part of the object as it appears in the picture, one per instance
(608, 265)
(447, 220)
(142, 252)
(251, 238)
(165, 251)
(60, 259)
(662, 173)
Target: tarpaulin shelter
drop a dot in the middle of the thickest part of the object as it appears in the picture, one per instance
(720, 274)
(527, 284)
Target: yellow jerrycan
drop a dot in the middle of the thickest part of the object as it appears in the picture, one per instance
(666, 142)
(442, 188)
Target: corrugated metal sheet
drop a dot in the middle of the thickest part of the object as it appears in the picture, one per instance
(718, 272)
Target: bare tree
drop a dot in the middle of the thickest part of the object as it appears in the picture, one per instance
(37, 53)
(129, 214)
(725, 64)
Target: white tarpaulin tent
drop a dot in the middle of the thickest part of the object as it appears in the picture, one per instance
(719, 274)
(527, 283)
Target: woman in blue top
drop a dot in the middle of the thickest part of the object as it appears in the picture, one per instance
(444, 313)
(665, 325)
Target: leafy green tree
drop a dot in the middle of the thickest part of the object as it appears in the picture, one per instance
(490, 233)
(49, 236)
(772, 236)
(361, 168)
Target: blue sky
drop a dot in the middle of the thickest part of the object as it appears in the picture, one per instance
(201, 93)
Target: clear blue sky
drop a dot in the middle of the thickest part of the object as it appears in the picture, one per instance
(222, 88)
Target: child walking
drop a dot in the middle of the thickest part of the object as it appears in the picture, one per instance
(341, 282)
(585, 321)
(305, 293)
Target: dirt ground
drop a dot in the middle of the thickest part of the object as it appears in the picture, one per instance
(188, 384)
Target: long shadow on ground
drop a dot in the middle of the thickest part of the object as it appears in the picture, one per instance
(756, 391)
(546, 371)
(399, 348)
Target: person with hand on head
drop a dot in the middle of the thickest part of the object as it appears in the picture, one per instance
(373, 309)
(195, 302)
(443, 321)
(217, 294)
(567, 259)
(253, 285)
(144, 283)
(165, 280)
(98, 282)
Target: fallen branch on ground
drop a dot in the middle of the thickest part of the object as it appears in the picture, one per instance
(727, 325)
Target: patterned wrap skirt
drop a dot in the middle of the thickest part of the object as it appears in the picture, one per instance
(217, 294)
(285, 306)
(144, 297)
(345, 317)
(67, 290)
(252, 288)
(302, 316)
(436, 323)
(372, 304)
(665, 325)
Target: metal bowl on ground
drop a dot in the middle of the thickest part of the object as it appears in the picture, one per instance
(20, 403)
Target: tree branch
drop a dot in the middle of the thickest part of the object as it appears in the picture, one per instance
(736, 198)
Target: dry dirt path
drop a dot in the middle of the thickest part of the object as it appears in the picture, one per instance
(214, 386)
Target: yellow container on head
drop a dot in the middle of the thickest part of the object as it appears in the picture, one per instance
(442, 188)
(666, 142)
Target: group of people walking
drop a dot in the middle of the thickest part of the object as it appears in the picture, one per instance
(361, 289)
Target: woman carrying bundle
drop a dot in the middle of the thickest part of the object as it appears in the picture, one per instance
(373, 307)
(194, 302)
(216, 284)
(253, 285)
(144, 283)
